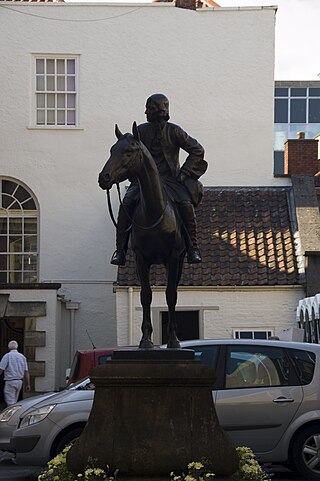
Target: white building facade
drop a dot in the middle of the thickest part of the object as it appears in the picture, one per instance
(72, 72)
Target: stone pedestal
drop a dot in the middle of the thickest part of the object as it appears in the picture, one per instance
(153, 413)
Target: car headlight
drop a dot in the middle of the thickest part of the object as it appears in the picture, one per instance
(36, 416)
(7, 413)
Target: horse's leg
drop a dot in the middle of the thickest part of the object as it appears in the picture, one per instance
(173, 276)
(145, 298)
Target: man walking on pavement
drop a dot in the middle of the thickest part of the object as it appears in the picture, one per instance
(15, 368)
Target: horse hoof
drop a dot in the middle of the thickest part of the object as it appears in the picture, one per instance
(175, 344)
(146, 344)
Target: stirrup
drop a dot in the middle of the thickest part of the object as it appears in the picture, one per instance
(118, 258)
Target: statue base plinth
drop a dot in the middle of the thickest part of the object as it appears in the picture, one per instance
(153, 413)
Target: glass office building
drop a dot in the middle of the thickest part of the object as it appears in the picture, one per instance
(297, 109)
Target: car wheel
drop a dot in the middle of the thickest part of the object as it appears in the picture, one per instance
(306, 452)
(68, 438)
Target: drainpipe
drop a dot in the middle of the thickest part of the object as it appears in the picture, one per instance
(130, 317)
(72, 307)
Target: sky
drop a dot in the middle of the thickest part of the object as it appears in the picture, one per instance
(297, 37)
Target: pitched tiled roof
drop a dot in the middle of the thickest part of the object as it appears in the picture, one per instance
(245, 237)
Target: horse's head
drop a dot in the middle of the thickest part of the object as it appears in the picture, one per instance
(124, 159)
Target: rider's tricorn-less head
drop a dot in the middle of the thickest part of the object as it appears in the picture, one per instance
(157, 108)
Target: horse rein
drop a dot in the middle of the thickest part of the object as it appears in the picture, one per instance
(133, 222)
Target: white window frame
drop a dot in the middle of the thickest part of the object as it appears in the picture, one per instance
(55, 124)
(268, 332)
(31, 255)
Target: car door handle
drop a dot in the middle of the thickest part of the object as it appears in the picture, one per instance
(283, 399)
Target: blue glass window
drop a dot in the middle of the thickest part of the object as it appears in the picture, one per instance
(281, 111)
(297, 92)
(297, 110)
(281, 92)
(314, 111)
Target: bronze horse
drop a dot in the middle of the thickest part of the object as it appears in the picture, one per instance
(157, 231)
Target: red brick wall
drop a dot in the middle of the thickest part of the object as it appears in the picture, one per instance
(301, 156)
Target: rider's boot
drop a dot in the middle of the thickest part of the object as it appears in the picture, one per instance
(189, 220)
(123, 233)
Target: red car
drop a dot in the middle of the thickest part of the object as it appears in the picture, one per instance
(84, 361)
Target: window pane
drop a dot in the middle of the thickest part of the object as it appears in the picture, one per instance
(30, 262)
(15, 262)
(30, 243)
(51, 101)
(206, 354)
(40, 83)
(60, 83)
(3, 225)
(15, 226)
(250, 366)
(29, 205)
(60, 66)
(61, 117)
(14, 206)
(15, 244)
(281, 111)
(29, 277)
(61, 101)
(297, 110)
(71, 101)
(40, 117)
(71, 117)
(314, 110)
(260, 335)
(50, 82)
(15, 277)
(8, 186)
(30, 226)
(298, 92)
(3, 243)
(304, 362)
(246, 335)
(71, 82)
(3, 262)
(40, 65)
(7, 200)
(21, 194)
(71, 66)
(50, 117)
(314, 92)
(41, 100)
(50, 66)
(281, 92)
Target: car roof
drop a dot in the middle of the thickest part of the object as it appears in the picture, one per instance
(254, 342)
(104, 350)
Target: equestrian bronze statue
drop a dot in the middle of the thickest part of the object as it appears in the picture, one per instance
(157, 212)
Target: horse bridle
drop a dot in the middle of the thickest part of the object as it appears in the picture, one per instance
(133, 222)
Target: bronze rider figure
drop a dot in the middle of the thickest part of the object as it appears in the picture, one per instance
(164, 141)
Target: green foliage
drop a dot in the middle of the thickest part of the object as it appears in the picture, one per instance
(248, 470)
(57, 470)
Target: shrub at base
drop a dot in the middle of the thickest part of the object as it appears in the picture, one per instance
(249, 470)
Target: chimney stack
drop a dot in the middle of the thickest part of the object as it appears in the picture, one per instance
(301, 156)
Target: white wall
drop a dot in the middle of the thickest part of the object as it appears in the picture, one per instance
(216, 67)
(221, 310)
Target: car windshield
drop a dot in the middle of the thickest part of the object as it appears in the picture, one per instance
(84, 385)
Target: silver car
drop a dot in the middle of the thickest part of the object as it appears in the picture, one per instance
(46, 423)
(266, 393)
